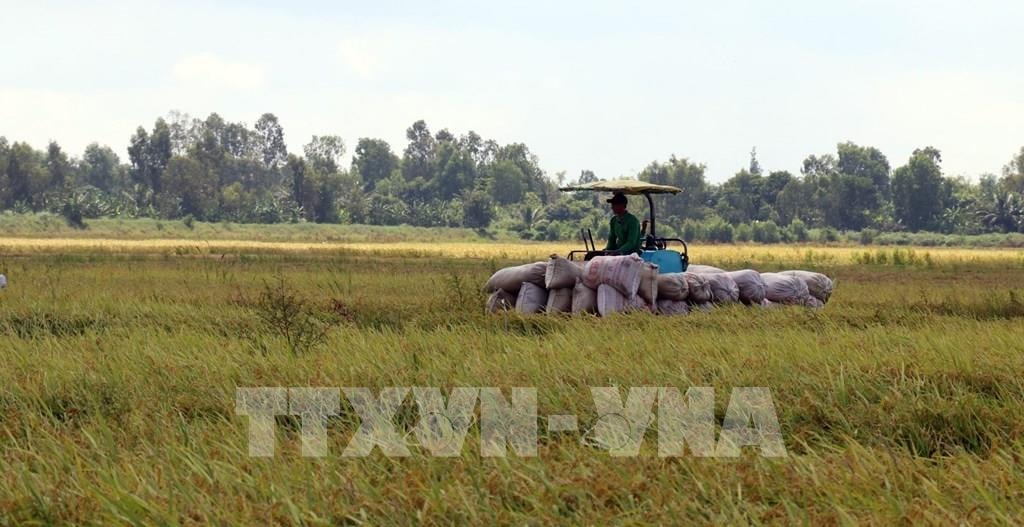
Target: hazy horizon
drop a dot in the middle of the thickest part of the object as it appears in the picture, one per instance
(586, 86)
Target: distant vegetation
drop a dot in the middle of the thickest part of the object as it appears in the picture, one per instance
(216, 171)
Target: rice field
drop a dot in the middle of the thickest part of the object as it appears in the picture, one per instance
(900, 402)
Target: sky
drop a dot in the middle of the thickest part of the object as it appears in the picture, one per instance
(603, 86)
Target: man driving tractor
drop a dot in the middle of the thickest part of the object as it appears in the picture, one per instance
(624, 229)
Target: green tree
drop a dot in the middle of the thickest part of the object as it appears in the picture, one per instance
(325, 153)
(418, 159)
(101, 168)
(27, 176)
(269, 138)
(373, 162)
(918, 191)
(1013, 174)
(477, 209)
(508, 184)
(692, 202)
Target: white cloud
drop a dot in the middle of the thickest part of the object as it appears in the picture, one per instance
(210, 71)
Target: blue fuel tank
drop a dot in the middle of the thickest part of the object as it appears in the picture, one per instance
(667, 260)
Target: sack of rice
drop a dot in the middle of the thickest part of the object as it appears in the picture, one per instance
(620, 272)
(648, 289)
(584, 299)
(510, 278)
(750, 284)
(768, 304)
(559, 300)
(561, 273)
(819, 285)
(784, 289)
(672, 286)
(610, 301)
(699, 288)
(500, 300)
(3, 281)
(814, 303)
(532, 298)
(673, 307)
(723, 288)
(703, 269)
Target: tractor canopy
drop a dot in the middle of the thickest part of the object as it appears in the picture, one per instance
(625, 186)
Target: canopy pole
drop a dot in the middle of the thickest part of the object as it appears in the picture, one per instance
(650, 204)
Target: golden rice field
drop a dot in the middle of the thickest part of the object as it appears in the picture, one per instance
(729, 255)
(901, 402)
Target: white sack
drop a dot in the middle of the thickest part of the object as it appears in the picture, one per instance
(699, 288)
(814, 303)
(784, 289)
(610, 301)
(561, 273)
(559, 300)
(620, 272)
(3, 281)
(723, 288)
(648, 289)
(500, 300)
(703, 269)
(818, 285)
(750, 284)
(532, 298)
(510, 278)
(672, 286)
(584, 299)
(673, 307)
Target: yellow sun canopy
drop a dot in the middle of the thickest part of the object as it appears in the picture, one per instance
(625, 186)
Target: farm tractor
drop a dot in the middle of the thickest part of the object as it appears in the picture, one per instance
(654, 248)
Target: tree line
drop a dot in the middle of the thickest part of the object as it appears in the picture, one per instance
(215, 170)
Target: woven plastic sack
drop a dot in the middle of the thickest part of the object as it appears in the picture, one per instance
(814, 303)
(500, 300)
(561, 273)
(818, 285)
(703, 269)
(3, 281)
(673, 307)
(584, 299)
(750, 284)
(699, 288)
(673, 286)
(532, 298)
(620, 272)
(784, 289)
(611, 301)
(648, 289)
(559, 301)
(723, 288)
(510, 278)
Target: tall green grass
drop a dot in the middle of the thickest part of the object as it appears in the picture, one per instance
(901, 402)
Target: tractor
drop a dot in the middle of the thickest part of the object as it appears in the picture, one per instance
(654, 248)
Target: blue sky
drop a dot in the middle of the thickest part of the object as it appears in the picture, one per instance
(587, 85)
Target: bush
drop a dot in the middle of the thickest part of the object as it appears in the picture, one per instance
(798, 231)
(766, 232)
(744, 233)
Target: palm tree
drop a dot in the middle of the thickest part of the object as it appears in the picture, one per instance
(1004, 213)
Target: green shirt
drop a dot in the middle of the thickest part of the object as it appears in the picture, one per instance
(624, 234)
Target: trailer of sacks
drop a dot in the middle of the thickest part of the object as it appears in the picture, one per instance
(606, 285)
